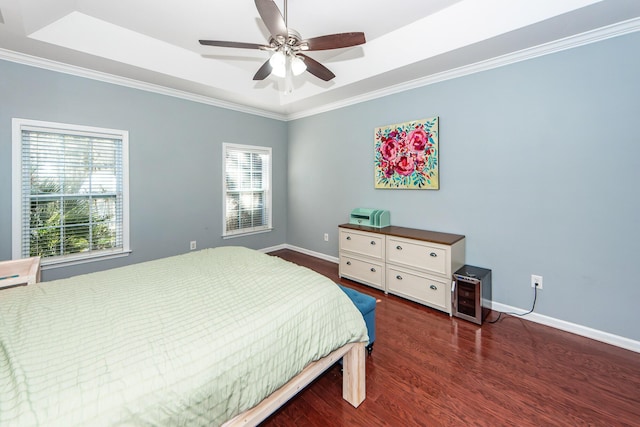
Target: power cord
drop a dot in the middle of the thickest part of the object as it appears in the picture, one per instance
(535, 297)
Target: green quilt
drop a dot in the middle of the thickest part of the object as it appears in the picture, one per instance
(189, 340)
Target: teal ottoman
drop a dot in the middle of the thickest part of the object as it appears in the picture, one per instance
(367, 306)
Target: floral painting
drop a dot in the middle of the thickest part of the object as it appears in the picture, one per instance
(406, 155)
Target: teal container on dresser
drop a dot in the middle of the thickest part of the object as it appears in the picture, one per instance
(370, 217)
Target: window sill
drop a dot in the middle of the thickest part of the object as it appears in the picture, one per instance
(75, 260)
(249, 233)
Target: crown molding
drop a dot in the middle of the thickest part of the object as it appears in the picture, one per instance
(593, 36)
(73, 70)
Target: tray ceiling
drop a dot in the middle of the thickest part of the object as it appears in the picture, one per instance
(154, 44)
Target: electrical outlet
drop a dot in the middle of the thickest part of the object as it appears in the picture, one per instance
(192, 245)
(536, 281)
(326, 237)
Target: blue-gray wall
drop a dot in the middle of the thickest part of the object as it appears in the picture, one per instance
(175, 155)
(539, 168)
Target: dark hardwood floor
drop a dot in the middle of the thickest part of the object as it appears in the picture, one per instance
(428, 369)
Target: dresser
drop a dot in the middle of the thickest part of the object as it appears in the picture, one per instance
(415, 264)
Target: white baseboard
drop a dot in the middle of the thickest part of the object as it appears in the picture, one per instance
(274, 248)
(314, 254)
(574, 328)
(563, 325)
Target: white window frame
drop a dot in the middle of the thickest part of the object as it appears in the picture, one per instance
(18, 125)
(267, 190)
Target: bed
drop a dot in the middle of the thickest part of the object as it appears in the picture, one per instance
(213, 337)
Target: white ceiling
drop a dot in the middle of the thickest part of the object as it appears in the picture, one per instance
(153, 44)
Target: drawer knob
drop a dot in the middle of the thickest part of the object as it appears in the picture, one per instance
(348, 237)
(373, 270)
(433, 254)
(373, 242)
(399, 277)
(348, 262)
(433, 287)
(399, 247)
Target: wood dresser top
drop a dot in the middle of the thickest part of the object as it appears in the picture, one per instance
(409, 233)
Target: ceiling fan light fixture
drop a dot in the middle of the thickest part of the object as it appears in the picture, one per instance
(278, 63)
(287, 46)
(297, 65)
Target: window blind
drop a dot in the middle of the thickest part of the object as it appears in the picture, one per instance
(247, 189)
(72, 193)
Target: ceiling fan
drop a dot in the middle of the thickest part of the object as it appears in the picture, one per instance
(287, 45)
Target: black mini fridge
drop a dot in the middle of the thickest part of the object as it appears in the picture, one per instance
(471, 293)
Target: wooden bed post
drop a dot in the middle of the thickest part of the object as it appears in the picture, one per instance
(354, 374)
(353, 384)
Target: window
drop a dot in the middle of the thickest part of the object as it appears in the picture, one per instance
(70, 192)
(247, 189)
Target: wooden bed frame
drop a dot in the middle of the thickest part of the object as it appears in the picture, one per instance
(353, 384)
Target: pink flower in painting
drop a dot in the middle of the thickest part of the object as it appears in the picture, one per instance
(389, 149)
(404, 165)
(418, 139)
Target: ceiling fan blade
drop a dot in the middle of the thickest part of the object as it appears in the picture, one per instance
(264, 71)
(272, 18)
(238, 45)
(317, 69)
(335, 41)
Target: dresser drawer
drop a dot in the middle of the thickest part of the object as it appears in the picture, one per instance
(362, 243)
(430, 257)
(421, 288)
(367, 272)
